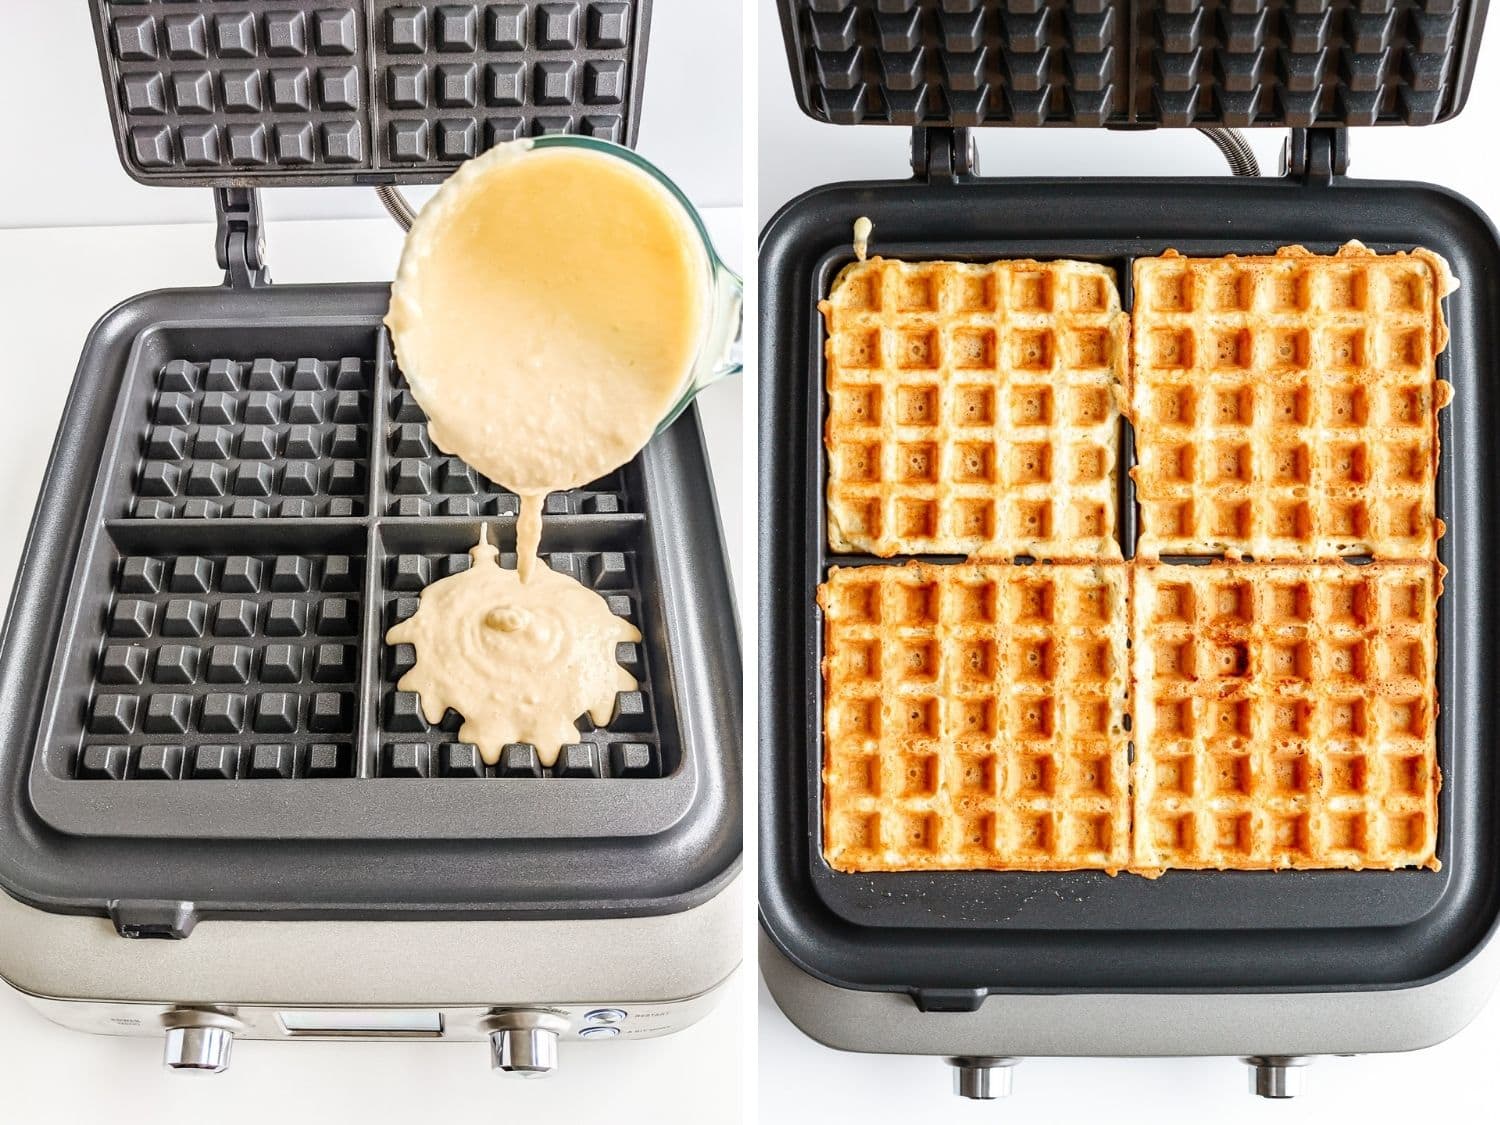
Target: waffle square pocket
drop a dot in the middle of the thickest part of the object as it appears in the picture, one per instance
(1285, 406)
(1284, 716)
(975, 717)
(972, 409)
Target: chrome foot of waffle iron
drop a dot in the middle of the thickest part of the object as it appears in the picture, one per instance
(525, 1043)
(982, 1077)
(200, 1050)
(198, 1040)
(1276, 1076)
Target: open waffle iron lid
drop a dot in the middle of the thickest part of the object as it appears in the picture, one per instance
(949, 939)
(200, 716)
(1138, 63)
(321, 92)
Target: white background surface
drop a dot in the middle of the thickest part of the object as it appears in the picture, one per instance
(61, 166)
(55, 283)
(802, 1081)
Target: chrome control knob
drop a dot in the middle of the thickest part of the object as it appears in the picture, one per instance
(204, 1050)
(1276, 1076)
(982, 1077)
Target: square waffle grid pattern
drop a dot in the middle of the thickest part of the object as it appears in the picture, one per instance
(251, 652)
(630, 745)
(230, 89)
(256, 438)
(1284, 716)
(224, 667)
(1100, 62)
(287, 91)
(1286, 407)
(422, 480)
(972, 409)
(975, 717)
(455, 79)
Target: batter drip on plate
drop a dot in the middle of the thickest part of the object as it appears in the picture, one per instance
(519, 660)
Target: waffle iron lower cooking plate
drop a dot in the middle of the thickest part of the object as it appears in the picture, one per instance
(198, 703)
(951, 938)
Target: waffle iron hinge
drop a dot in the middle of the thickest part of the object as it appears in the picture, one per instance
(1316, 156)
(153, 918)
(943, 155)
(240, 242)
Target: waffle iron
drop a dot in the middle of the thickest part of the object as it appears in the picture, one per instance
(213, 794)
(986, 968)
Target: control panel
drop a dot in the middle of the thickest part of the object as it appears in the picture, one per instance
(524, 1039)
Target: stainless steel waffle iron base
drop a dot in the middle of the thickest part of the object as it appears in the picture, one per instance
(1278, 1034)
(295, 980)
(218, 793)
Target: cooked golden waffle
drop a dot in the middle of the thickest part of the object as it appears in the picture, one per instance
(972, 408)
(1285, 407)
(1284, 715)
(974, 717)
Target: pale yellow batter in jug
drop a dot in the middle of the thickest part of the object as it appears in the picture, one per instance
(519, 660)
(547, 311)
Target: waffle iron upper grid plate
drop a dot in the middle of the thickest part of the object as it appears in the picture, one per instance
(262, 92)
(1132, 62)
(952, 937)
(219, 547)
